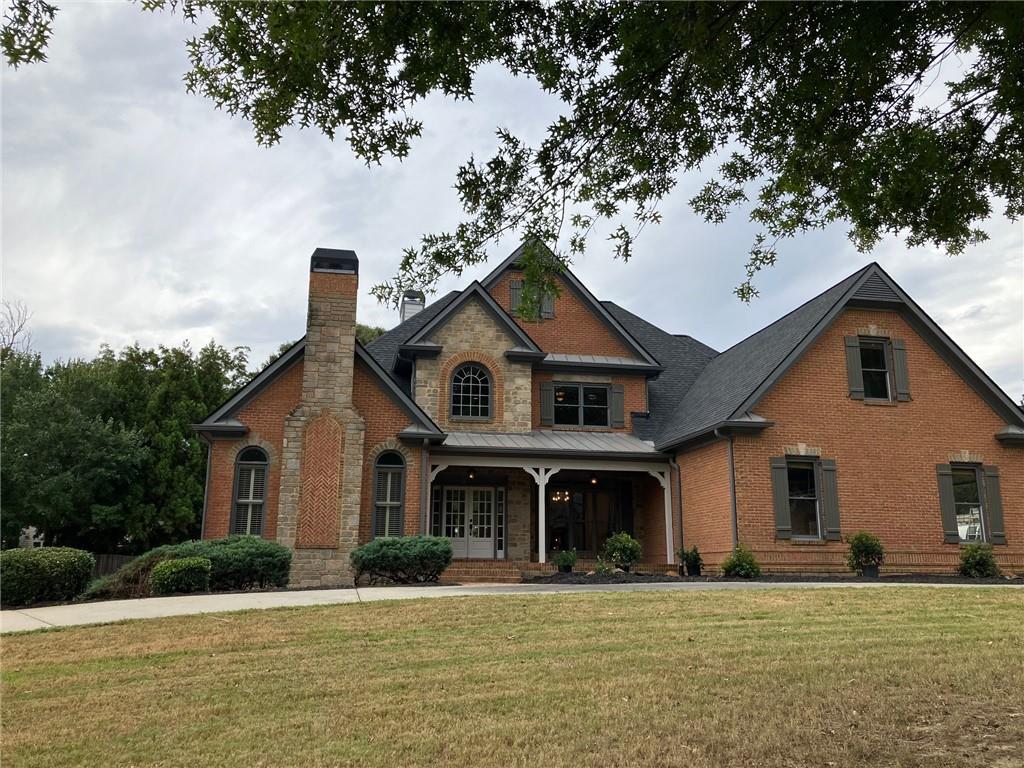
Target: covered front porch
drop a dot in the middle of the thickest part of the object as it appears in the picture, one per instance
(521, 509)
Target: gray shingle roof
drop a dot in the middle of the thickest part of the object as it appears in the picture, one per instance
(385, 347)
(732, 377)
(682, 357)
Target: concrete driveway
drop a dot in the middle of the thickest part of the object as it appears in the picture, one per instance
(27, 619)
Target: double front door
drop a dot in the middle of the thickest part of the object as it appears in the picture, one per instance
(473, 519)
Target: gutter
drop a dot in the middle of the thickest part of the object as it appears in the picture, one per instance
(732, 489)
(674, 468)
(206, 486)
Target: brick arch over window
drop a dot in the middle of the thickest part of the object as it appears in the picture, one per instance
(497, 384)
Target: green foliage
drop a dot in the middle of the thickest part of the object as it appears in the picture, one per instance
(43, 575)
(565, 558)
(28, 25)
(236, 563)
(978, 561)
(100, 454)
(404, 559)
(367, 333)
(691, 557)
(622, 549)
(741, 564)
(603, 567)
(864, 549)
(182, 576)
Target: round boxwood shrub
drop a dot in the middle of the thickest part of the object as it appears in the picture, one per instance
(236, 563)
(182, 576)
(977, 561)
(865, 549)
(43, 575)
(741, 564)
(404, 559)
(622, 549)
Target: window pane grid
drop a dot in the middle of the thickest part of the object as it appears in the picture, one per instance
(803, 499)
(250, 488)
(471, 392)
(967, 503)
(581, 405)
(388, 481)
(874, 369)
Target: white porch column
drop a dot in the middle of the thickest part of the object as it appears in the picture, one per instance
(663, 478)
(541, 475)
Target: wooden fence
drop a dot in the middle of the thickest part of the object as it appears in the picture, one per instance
(109, 563)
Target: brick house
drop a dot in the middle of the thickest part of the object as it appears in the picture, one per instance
(516, 438)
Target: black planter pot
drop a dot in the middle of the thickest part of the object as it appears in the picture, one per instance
(625, 567)
(869, 571)
(692, 570)
(682, 569)
(565, 569)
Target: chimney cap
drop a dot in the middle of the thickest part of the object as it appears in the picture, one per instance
(413, 294)
(334, 260)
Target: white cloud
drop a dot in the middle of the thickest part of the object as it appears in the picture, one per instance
(134, 211)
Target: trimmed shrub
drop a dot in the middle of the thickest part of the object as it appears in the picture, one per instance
(977, 561)
(741, 564)
(864, 549)
(236, 563)
(622, 549)
(404, 559)
(182, 576)
(692, 559)
(43, 575)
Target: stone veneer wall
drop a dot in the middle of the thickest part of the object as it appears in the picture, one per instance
(321, 477)
(473, 334)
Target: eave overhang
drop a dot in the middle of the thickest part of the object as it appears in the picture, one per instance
(742, 426)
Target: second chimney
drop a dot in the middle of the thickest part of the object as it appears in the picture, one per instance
(412, 304)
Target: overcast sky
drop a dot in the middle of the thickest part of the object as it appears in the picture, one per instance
(133, 211)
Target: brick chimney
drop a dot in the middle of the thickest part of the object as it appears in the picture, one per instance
(321, 462)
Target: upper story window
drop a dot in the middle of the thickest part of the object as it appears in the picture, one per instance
(547, 301)
(388, 484)
(581, 405)
(250, 488)
(874, 368)
(471, 392)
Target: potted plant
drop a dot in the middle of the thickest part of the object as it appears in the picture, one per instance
(623, 550)
(565, 559)
(691, 560)
(865, 555)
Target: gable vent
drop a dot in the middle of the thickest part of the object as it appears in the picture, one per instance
(875, 288)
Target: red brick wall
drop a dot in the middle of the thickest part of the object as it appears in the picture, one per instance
(384, 420)
(574, 329)
(885, 455)
(707, 501)
(264, 415)
(649, 518)
(634, 391)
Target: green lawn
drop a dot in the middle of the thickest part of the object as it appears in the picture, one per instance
(838, 677)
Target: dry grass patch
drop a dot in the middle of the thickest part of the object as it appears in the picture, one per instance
(837, 677)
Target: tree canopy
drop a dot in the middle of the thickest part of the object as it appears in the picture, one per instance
(811, 113)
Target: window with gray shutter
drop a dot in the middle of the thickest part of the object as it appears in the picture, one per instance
(250, 492)
(805, 497)
(994, 505)
(618, 405)
(547, 306)
(854, 377)
(388, 492)
(901, 375)
(547, 403)
(947, 507)
(515, 291)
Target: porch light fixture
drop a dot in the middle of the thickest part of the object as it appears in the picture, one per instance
(472, 473)
(593, 479)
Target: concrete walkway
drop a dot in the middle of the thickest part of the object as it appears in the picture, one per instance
(28, 619)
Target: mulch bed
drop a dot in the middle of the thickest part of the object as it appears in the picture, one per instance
(653, 578)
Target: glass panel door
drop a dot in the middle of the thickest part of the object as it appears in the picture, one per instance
(481, 522)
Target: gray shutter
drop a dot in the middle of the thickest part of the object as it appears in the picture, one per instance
(994, 505)
(947, 505)
(547, 403)
(780, 498)
(829, 498)
(618, 405)
(515, 291)
(547, 306)
(899, 365)
(854, 375)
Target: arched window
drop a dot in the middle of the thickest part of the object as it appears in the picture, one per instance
(388, 494)
(250, 491)
(471, 392)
